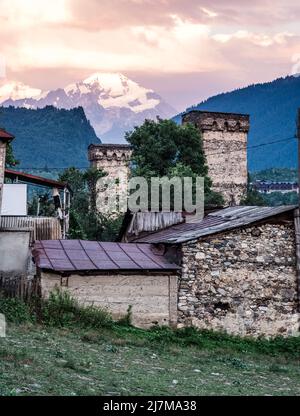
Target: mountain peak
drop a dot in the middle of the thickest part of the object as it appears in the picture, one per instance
(16, 90)
(105, 78)
(112, 102)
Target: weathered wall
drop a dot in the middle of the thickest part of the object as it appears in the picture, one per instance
(113, 159)
(224, 138)
(241, 282)
(14, 250)
(2, 167)
(153, 297)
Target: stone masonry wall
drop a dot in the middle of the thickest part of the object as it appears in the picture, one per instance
(114, 160)
(2, 168)
(224, 137)
(242, 282)
(227, 163)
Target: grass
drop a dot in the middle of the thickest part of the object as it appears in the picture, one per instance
(39, 360)
(61, 348)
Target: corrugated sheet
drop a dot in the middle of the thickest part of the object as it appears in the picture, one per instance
(46, 228)
(39, 180)
(5, 135)
(225, 219)
(153, 221)
(80, 255)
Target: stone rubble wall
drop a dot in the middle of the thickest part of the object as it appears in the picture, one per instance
(227, 163)
(224, 137)
(242, 282)
(115, 161)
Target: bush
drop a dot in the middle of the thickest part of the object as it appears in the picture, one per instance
(16, 310)
(61, 309)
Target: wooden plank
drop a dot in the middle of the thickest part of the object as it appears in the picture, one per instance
(43, 228)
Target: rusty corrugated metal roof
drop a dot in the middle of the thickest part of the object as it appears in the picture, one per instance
(81, 255)
(39, 180)
(4, 135)
(222, 220)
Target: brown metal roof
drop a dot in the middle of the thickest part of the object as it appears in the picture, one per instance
(38, 180)
(81, 255)
(219, 221)
(4, 135)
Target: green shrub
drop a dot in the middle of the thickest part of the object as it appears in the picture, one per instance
(61, 309)
(16, 310)
(93, 317)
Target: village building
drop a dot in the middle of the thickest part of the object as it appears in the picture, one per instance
(5, 138)
(14, 208)
(114, 159)
(235, 270)
(112, 276)
(18, 230)
(269, 187)
(224, 137)
(239, 268)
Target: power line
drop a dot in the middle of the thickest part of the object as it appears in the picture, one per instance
(252, 147)
(45, 168)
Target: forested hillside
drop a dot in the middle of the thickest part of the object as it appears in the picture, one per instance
(273, 109)
(49, 137)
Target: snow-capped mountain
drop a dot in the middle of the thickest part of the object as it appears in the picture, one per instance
(112, 102)
(18, 91)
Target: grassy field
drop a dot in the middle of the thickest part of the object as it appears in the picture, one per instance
(40, 360)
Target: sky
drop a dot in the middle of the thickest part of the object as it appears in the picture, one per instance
(186, 50)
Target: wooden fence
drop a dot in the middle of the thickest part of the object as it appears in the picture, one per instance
(19, 286)
(43, 228)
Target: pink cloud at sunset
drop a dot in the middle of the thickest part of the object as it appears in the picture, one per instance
(186, 50)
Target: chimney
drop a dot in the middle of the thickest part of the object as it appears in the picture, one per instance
(5, 138)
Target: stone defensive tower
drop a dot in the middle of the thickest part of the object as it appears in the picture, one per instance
(224, 138)
(113, 159)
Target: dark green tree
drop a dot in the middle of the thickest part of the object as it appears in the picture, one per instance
(85, 221)
(41, 204)
(253, 197)
(10, 161)
(163, 148)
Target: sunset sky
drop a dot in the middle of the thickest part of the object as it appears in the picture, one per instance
(186, 50)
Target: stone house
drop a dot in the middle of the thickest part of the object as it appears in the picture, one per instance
(112, 276)
(238, 269)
